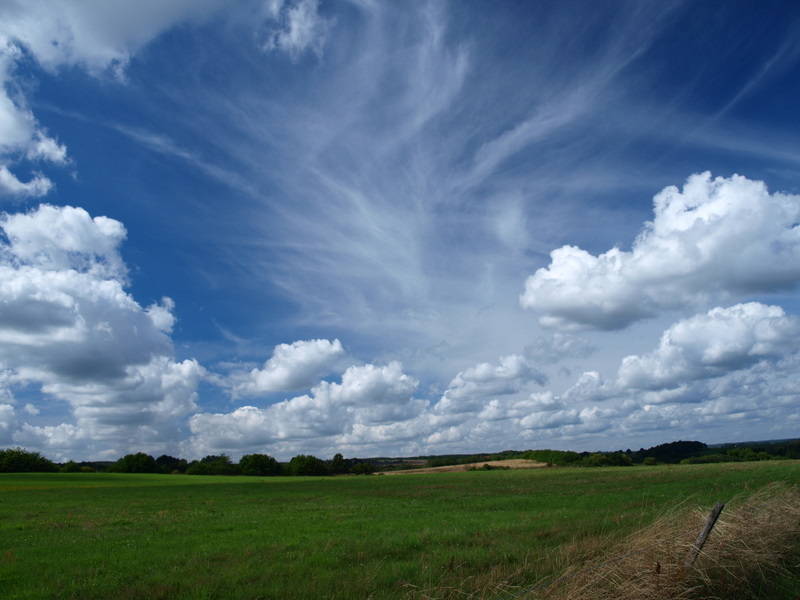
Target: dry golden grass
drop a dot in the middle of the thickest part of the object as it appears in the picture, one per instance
(511, 463)
(747, 547)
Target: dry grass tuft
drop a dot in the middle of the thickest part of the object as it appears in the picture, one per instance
(748, 548)
(745, 551)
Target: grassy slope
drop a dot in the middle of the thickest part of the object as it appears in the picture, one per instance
(139, 536)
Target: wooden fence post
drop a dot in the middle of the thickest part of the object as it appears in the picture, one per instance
(701, 539)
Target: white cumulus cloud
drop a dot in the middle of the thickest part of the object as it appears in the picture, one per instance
(293, 366)
(717, 238)
(68, 326)
(65, 238)
(369, 399)
(712, 344)
(473, 387)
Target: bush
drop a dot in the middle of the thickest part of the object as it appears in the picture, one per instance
(488, 467)
(708, 458)
(18, 460)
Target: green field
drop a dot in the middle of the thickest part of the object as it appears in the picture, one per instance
(473, 534)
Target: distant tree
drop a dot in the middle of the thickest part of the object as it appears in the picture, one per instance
(339, 464)
(305, 464)
(136, 463)
(696, 460)
(170, 464)
(651, 461)
(18, 460)
(362, 468)
(619, 459)
(747, 454)
(70, 467)
(259, 465)
(671, 453)
(559, 458)
(213, 464)
(597, 460)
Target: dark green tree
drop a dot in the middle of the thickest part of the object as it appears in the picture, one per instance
(136, 463)
(305, 464)
(19, 460)
(213, 464)
(743, 454)
(596, 459)
(339, 464)
(170, 464)
(71, 467)
(259, 465)
(619, 459)
(363, 468)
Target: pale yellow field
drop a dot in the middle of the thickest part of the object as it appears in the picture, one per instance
(513, 463)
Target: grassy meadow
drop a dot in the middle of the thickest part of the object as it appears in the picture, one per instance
(484, 534)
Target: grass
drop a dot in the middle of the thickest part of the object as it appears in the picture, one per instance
(479, 534)
(753, 553)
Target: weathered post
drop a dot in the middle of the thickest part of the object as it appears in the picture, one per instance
(701, 539)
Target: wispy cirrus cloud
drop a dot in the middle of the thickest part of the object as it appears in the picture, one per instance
(300, 27)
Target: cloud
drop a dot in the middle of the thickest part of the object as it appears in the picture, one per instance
(142, 408)
(590, 387)
(301, 28)
(20, 134)
(535, 412)
(762, 396)
(11, 186)
(471, 388)
(64, 238)
(68, 325)
(370, 398)
(548, 349)
(710, 371)
(8, 423)
(713, 344)
(94, 35)
(293, 366)
(716, 239)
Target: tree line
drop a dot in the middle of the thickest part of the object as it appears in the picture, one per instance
(19, 460)
(680, 452)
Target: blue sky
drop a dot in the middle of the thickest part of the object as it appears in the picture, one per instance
(300, 226)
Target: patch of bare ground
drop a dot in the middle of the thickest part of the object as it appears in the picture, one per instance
(513, 463)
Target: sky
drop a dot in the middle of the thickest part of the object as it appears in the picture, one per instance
(397, 228)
